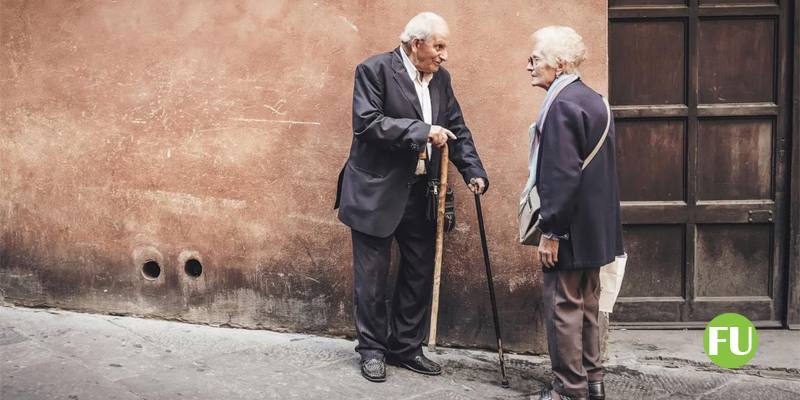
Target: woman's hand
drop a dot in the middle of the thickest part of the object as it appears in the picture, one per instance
(548, 252)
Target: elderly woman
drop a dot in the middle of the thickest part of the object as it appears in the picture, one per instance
(574, 170)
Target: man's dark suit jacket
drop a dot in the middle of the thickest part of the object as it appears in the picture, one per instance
(388, 132)
(583, 204)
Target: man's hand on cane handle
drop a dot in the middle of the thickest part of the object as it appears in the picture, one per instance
(477, 185)
(438, 135)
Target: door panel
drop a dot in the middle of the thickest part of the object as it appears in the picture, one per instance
(652, 81)
(663, 144)
(737, 60)
(656, 249)
(733, 260)
(736, 159)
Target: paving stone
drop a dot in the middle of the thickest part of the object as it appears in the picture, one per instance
(749, 389)
(9, 336)
(58, 379)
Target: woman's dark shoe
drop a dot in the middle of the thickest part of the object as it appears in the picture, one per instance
(373, 369)
(419, 364)
(597, 391)
(546, 394)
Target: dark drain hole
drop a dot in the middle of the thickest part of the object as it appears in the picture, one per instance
(151, 270)
(193, 268)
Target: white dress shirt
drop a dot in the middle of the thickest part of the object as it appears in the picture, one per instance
(421, 82)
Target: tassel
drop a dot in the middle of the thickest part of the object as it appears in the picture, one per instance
(421, 163)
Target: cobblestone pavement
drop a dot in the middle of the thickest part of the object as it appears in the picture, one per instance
(53, 354)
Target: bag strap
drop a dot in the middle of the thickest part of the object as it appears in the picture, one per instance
(602, 138)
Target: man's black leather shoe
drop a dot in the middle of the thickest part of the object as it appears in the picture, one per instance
(597, 391)
(419, 364)
(373, 369)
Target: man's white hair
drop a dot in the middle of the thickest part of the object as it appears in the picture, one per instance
(422, 26)
(561, 43)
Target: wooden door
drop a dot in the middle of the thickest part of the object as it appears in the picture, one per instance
(700, 93)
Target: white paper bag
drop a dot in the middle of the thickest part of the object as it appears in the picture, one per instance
(611, 276)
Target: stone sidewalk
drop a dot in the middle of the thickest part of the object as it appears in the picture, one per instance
(54, 354)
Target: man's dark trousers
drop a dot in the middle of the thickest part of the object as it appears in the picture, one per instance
(371, 259)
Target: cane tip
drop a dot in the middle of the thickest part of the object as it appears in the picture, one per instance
(505, 384)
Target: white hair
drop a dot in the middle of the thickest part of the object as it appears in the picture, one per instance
(422, 26)
(561, 44)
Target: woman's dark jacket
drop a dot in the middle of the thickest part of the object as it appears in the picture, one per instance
(581, 204)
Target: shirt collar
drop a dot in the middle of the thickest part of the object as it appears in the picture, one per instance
(411, 69)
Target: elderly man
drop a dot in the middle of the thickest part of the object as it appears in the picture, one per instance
(404, 111)
(573, 166)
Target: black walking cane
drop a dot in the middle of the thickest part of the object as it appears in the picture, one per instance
(504, 381)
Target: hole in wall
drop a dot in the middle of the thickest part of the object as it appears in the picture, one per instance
(151, 270)
(193, 268)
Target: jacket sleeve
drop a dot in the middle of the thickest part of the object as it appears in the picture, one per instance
(560, 166)
(462, 150)
(371, 125)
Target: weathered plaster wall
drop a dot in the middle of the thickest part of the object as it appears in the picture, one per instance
(139, 130)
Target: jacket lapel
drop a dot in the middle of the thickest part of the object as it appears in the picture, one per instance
(434, 90)
(436, 93)
(406, 86)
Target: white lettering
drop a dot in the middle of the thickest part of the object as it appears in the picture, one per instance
(714, 339)
(735, 348)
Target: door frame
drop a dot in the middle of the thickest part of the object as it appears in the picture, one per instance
(793, 281)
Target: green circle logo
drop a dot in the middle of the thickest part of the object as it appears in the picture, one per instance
(730, 340)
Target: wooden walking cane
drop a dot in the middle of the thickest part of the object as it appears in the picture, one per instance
(437, 272)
